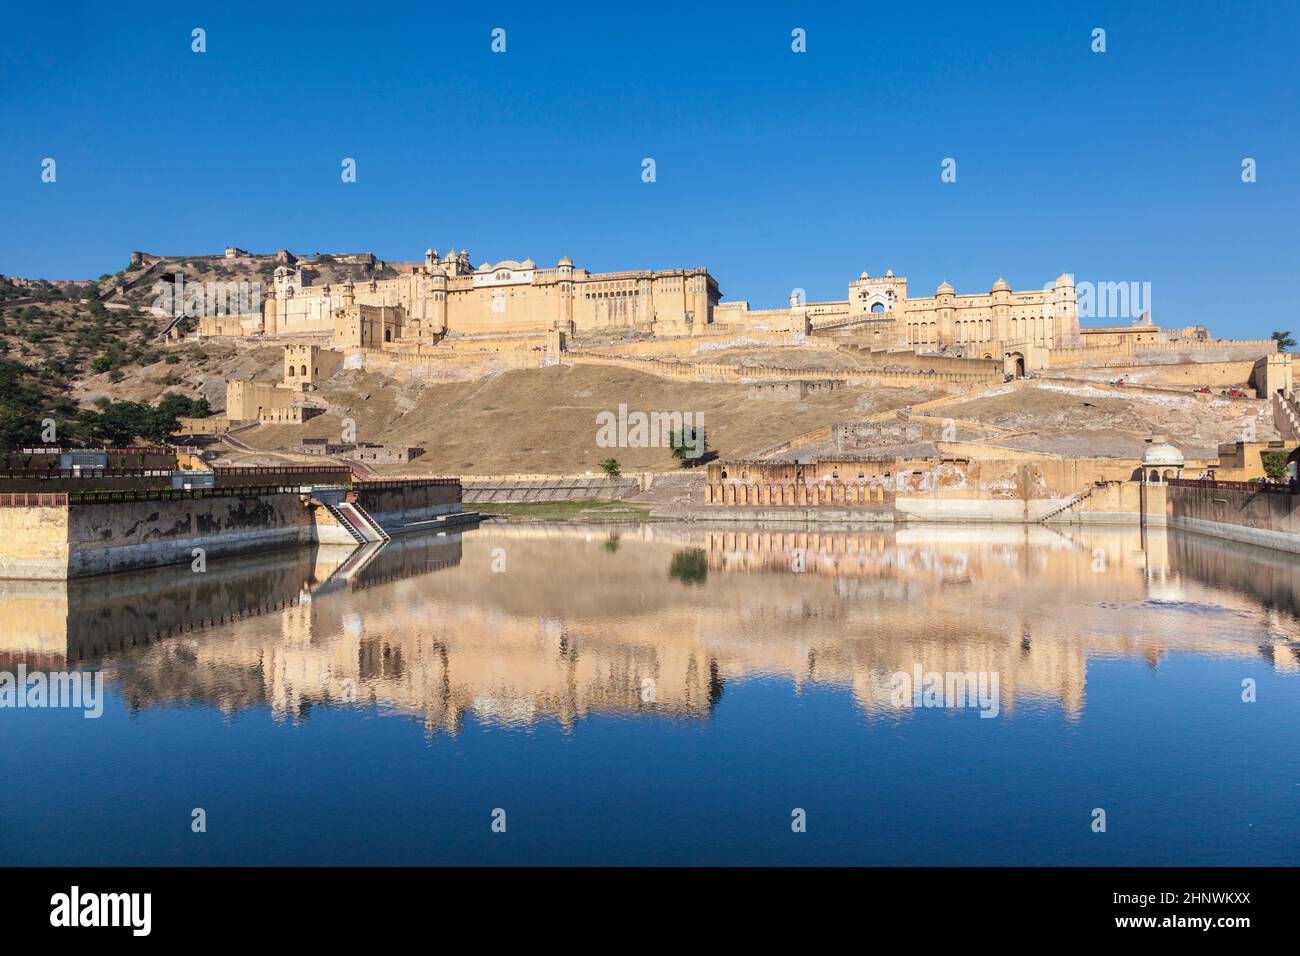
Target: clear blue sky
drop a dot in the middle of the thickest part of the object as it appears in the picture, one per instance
(774, 169)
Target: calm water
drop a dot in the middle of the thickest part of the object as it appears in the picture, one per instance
(664, 694)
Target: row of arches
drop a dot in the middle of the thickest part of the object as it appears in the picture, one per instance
(1032, 328)
(819, 493)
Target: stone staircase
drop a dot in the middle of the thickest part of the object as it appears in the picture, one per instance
(358, 522)
(1067, 505)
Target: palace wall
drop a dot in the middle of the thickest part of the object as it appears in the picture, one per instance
(443, 297)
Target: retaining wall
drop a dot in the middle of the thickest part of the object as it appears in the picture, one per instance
(57, 536)
(557, 488)
(1237, 511)
(397, 503)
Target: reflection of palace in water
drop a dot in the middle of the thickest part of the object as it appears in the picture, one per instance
(655, 618)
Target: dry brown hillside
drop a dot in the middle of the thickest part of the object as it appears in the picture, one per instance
(1079, 419)
(544, 420)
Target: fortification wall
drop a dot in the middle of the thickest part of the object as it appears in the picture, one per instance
(758, 320)
(1204, 350)
(712, 341)
(987, 368)
(488, 342)
(718, 372)
(1082, 355)
(1236, 511)
(448, 365)
(1186, 375)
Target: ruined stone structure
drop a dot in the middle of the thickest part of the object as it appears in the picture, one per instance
(370, 452)
(792, 391)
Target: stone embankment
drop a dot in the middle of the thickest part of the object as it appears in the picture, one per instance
(60, 535)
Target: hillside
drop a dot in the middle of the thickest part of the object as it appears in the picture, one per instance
(544, 420)
(72, 347)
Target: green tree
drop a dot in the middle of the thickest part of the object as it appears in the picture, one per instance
(689, 445)
(17, 428)
(1274, 465)
(122, 423)
(611, 468)
(1284, 341)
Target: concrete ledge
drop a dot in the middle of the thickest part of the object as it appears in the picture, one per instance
(456, 520)
(1015, 510)
(1277, 540)
(795, 515)
(1098, 517)
(390, 520)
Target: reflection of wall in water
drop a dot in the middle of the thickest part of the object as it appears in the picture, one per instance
(1270, 577)
(574, 627)
(83, 618)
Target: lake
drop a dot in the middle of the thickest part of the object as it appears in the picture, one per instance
(667, 694)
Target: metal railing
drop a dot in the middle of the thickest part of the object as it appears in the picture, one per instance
(34, 499)
(54, 474)
(236, 470)
(1271, 487)
(382, 484)
(179, 494)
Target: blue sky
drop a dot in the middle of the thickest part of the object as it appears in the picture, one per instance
(774, 169)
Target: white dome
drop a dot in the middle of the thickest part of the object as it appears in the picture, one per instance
(1159, 453)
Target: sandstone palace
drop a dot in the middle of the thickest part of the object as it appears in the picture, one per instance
(411, 306)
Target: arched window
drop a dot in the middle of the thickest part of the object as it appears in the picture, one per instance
(304, 371)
